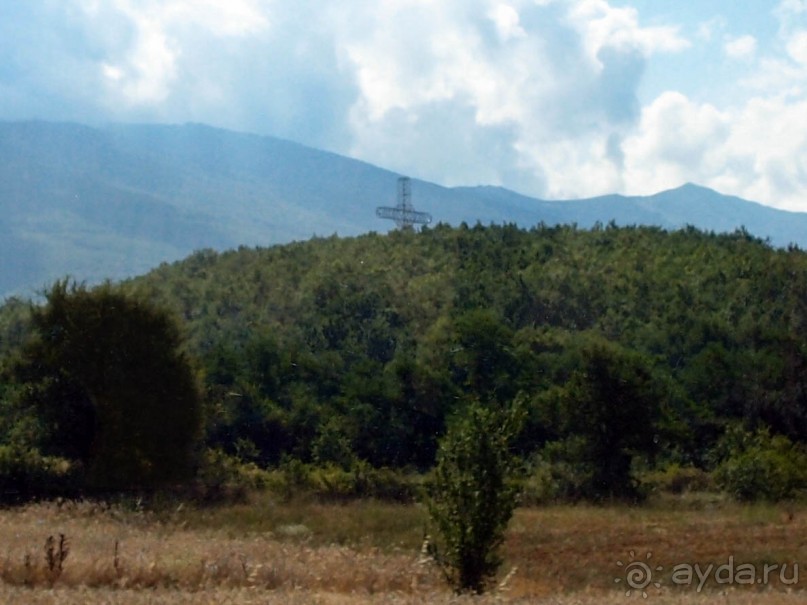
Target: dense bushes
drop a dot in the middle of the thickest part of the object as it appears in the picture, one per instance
(334, 483)
(760, 466)
(677, 479)
(25, 473)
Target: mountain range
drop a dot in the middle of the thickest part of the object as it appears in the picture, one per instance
(115, 201)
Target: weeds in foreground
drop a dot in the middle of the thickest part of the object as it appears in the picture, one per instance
(107, 551)
(89, 553)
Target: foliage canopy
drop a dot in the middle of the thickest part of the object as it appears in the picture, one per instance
(112, 390)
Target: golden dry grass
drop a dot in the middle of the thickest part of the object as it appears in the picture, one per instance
(564, 548)
(564, 555)
(108, 549)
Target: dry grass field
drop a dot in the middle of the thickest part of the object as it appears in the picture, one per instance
(307, 552)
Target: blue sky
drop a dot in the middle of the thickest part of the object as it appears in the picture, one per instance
(702, 71)
(553, 98)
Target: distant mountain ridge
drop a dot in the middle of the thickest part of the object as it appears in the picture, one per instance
(116, 201)
(688, 204)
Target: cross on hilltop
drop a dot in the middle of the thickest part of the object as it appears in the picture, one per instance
(404, 214)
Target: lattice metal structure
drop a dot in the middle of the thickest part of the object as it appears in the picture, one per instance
(404, 214)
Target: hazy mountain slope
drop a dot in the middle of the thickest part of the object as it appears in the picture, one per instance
(113, 202)
(279, 190)
(72, 202)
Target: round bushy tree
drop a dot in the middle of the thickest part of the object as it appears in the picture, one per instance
(112, 388)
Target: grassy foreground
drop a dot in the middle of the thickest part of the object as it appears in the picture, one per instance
(365, 552)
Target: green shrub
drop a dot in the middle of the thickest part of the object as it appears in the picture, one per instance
(224, 478)
(25, 473)
(558, 473)
(332, 447)
(365, 481)
(292, 477)
(677, 479)
(538, 486)
(472, 493)
(332, 482)
(760, 466)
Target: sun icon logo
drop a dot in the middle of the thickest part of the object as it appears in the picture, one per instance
(638, 574)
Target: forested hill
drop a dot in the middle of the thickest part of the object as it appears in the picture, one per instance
(366, 344)
(635, 285)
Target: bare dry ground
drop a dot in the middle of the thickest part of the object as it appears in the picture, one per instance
(81, 596)
(369, 553)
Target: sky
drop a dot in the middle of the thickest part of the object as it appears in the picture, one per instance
(552, 98)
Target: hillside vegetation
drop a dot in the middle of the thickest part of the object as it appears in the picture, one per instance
(633, 349)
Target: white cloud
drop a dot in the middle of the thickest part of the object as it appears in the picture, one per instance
(757, 151)
(602, 25)
(743, 47)
(677, 141)
(144, 71)
(222, 18)
(507, 22)
(541, 92)
(756, 148)
(797, 48)
(790, 8)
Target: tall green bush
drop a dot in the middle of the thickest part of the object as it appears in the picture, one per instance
(608, 412)
(472, 494)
